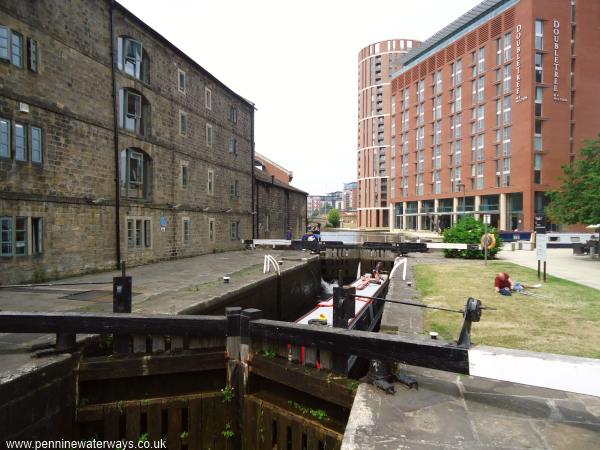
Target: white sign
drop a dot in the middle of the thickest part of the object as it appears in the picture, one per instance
(518, 97)
(487, 219)
(556, 62)
(540, 247)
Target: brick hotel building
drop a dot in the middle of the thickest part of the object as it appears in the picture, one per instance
(376, 64)
(487, 111)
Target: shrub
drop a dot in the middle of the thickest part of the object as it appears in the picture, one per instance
(333, 217)
(469, 231)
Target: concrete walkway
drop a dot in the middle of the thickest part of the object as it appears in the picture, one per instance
(561, 263)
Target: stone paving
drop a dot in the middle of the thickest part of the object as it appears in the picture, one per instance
(169, 287)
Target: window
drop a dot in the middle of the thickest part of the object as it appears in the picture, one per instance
(139, 233)
(131, 58)
(186, 230)
(32, 53)
(183, 123)
(17, 49)
(208, 98)
(507, 115)
(234, 188)
(235, 230)
(506, 173)
(481, 89)
(539, 97)
(210, 182)
(507, 47)
(539, 68)
(539, 35)
(184, 175)
(233, 145)
(6, 236)
(135, 174)
(474, 92)
(479, 176)
(5, 138)
(147, 233)
(36, 235)
(481, 61)
(507, 78)
(506, 142)
(20, 236)
(459, 125)
(20, 142)
(135, 111)
(181, 81)
(36, 145)
(537, 169)
(211, 230)
(233, 114)
(209, 135)
(4, 40)
(459, 99)
(459, 72)
(498, 51)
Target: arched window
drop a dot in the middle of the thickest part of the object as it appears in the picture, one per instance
(136, 174)
(134, 111)
(132, 58)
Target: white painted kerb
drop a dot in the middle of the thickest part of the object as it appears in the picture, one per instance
(564, 373)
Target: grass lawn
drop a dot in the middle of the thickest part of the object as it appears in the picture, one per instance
(566, 320)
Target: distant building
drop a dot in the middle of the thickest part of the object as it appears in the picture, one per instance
(321, 204)
(489, 109)
(265, 165)
(376, 65)
(277, 204)
(350, 196)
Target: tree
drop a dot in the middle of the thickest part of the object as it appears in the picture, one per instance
(333, 217)
(578, 200)
(469, 231)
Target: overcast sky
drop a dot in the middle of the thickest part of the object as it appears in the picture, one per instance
(298, 62)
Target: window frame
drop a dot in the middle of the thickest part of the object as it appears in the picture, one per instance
(185, 174)
(5, 51)
(139, 227)
(25, 139)
(19, 39)
(210, 182)
(181, 87)
(41, 144)
(186, 231)
(207, 98)
(32, 55)
(8, 122)
(183, 123)
(235, 231)
(232, 145)
(11, 232)
(212, 230)
(209, 135)
(233, 114)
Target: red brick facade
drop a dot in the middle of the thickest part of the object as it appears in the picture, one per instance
(376, 65)
(479, 129)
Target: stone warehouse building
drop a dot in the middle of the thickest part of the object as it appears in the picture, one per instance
(114, 145)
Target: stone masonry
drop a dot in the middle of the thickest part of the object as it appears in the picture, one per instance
(184, 145)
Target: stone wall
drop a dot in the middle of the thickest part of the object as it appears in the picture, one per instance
(73, 189)
(279, 207)
(39, 402)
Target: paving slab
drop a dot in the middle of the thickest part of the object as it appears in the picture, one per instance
(476, 414)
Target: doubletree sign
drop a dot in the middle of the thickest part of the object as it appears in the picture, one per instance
(556, 61)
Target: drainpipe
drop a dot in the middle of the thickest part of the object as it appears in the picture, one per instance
(252, 208)
(116, 135)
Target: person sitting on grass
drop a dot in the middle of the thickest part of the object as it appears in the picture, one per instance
(503, 284)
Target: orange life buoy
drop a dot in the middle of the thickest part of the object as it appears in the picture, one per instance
(488, 239)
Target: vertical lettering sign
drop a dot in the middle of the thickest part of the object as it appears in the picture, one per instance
(518, 35)
(556, 61)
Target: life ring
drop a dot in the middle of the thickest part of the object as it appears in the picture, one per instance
(490, 239)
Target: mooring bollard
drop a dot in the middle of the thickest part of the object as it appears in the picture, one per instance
(122, 289)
